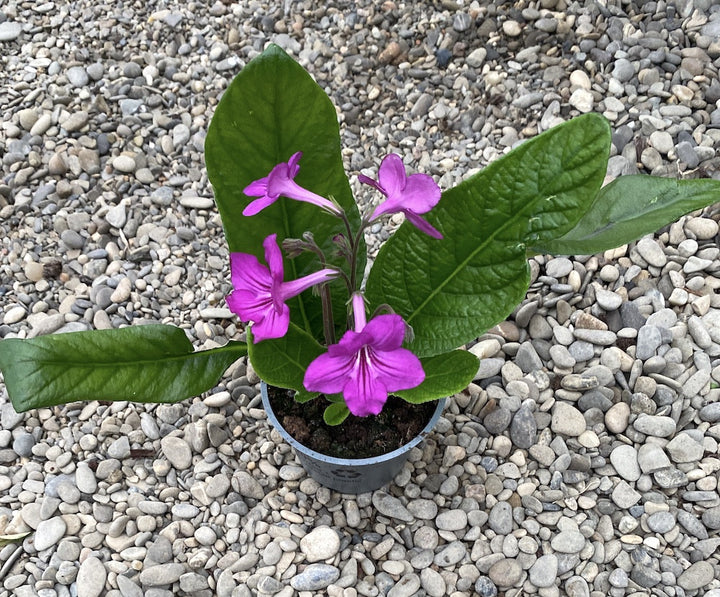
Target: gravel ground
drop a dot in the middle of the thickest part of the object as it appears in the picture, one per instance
(583, 460)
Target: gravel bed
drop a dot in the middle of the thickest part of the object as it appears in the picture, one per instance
(584, 458)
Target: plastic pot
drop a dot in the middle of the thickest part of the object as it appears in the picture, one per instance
(351, 475)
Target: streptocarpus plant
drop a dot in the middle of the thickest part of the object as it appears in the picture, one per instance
(456, 267)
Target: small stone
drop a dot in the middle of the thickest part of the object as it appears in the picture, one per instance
(116, 216)
(315, 577)
(610, 301)
(91, 578)
(655, 425)
(670, 477)
(567, 420)
(684, 448)
(177, 451)
(697, 576)
(452, 520)
(523, 429)
(322, 543)
(197, 202)
(476, 58)
(617, 417)
(511, 28)
(582, 100)
(544, 571)
(451, 554)
(500, 518)
(661, 522)
(76, 121)
(651, 458)
(568, 542)
(120, 448)
(124, 163)
(248, 486)
(497, 420)
(390, 506)
(407, 586)
(651, 252)
(162, 574)
(77, 76)
(624, 495)
(505, 573)
(14, 315)
(625, 460)
(49, 532)
(10, 31)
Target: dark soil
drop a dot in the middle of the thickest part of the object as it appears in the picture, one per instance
(357, 437)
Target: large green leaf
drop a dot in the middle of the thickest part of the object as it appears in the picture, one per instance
(145, 363)
(271, 110)
(628, 208)
(282, 362)
(445, 374)
(452, 290)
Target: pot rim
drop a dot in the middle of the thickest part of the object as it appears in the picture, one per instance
(350, 461)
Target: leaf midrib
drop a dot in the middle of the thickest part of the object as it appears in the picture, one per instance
(461, 266)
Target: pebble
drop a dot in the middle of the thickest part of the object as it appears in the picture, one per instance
(567, 420)
(177, 451)
(391, 506)
(543, 572)
(625, 460)
(657, 426)
(91, 578)
(161, 575)
(10, 30)
(505, 573)
(49, 532)
(315, 577)
(124, 163)
(322, 543)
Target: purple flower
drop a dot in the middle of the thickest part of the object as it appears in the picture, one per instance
(413, 195)
(279, 182)
(260, 293)
(366, 364)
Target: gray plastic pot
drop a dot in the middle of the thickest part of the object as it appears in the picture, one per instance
(351, 475)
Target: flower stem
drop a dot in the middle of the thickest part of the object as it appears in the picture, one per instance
(328, 320)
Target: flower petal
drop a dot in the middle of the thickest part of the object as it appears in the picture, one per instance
(293, 167)
(391, 175)
(247, 273)
(397, 369)
(256, 206)
(257, 188)
(384, 332)
(369, 181)
(423, 225)
(421, 193)
(365, 394)
(274, 325)
(249, 306)
(328, 373)
(273, 257)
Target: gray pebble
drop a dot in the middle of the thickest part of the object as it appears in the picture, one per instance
(315, 577)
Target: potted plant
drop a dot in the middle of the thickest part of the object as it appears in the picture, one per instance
(317, 323)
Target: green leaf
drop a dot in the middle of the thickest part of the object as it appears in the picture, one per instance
(271, 110)
(445, 374)
(452, 290)
(282, 362)
(631, 207)
(336, 413)
(145, 363)
(16, 538)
